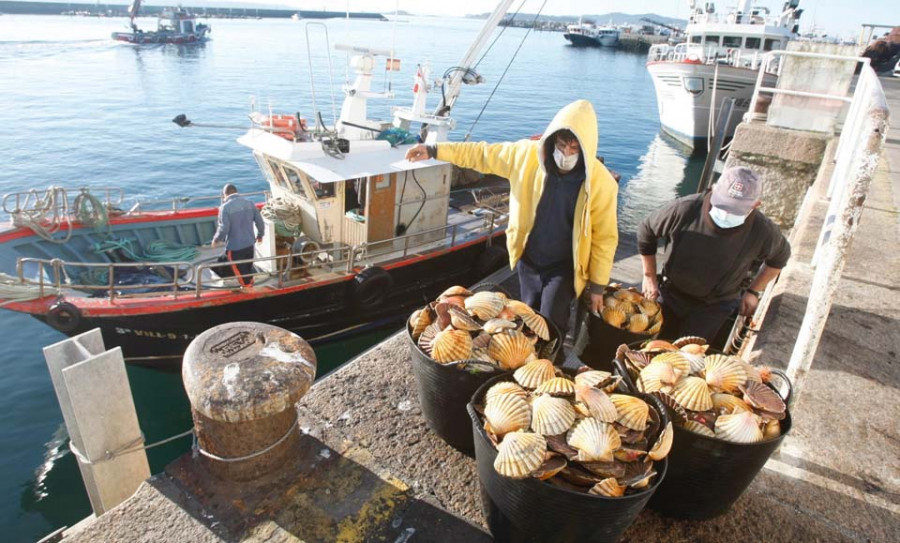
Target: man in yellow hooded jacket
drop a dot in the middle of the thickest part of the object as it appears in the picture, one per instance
(562, 231)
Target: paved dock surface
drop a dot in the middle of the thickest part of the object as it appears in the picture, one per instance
(368, 468)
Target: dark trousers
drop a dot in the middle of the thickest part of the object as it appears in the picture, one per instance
(548, 291)
(686, 317)
(244, 271)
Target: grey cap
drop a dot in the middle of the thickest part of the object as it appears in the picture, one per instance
(736, 191)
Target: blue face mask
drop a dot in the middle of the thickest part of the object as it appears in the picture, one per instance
(724, 219)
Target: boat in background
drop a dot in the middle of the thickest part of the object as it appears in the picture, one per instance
(175, 25)
(356, 237)
(588, 34)
(720, 59)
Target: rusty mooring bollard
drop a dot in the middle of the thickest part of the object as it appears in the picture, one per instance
(243, 379)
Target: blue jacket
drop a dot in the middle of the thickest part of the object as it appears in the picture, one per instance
(236, 218)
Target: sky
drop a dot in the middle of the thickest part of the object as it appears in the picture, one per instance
(836, 17)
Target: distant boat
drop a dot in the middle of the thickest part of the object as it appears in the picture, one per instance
(175, 26)
(590, 35)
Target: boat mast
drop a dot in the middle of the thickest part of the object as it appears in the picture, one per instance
(453, 87)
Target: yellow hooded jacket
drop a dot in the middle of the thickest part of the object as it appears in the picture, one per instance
(595, 231)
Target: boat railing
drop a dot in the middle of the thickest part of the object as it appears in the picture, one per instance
(698, 54)
(57, 200)
(187, 278)
(180, 203)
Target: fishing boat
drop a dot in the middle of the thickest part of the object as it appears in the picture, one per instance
(720, 59)
(356, 236)
(588, 34)
(175, 25)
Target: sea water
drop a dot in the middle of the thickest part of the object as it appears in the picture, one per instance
(82, 110)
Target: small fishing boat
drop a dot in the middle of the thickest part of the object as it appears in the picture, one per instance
(175, 25)
(356, 237)
(720, 59)
(588, 34)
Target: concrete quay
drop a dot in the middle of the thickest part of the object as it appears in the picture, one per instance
(368, 469)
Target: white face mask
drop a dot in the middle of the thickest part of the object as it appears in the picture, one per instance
(724, 219)
(563, 162)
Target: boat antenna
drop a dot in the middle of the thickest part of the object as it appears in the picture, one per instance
(511, 60)
(389, 70)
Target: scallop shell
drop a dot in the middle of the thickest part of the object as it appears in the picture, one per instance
(614, 317)
(663, 443)
(505, 387)
(694, 349)
(442, 315)
(676, 412)
(485, 305)
(507, 413)
(649, 307)
(519, 308)
(462, 320)
(557, 386)
(592, 378)
(727, 404)
(677, 360)
(688, 340)
(772, 429)
(551, 415)
(724, 373)
(693, 394)
(638, 323)
(633, 412)
(418, 321)
(536, 324)
(533, 374)
(762, 397)
(628, 295)
(597, 403)
(480, 353)
(451, 345)
(427, 338)
(742, 427)
(659, 345)
(596, 441)
(519, 454)
(656, 326)
(458, 301)
(609, 488)
(697, 361)
(511, 349)
(698, 428)
(550, 467)
(455, 291)
(481, 341)
(656, 376)
(495, 326)
(638, 359)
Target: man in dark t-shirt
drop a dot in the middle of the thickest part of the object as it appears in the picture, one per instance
(712, 239)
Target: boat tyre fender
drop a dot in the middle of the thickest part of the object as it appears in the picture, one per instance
(64, 316)
(371, 285)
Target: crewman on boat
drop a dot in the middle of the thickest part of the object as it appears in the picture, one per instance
(713, 240)
(562, 232)
(237, 217)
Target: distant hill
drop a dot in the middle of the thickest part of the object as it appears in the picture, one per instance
(617, 18)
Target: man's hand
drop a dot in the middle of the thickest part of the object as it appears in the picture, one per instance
(417, 153)
(214, 244)
(596, 303)
(259, 239)
(748, 304)
(650, 287)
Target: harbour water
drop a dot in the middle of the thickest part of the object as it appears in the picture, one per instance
(82, 110)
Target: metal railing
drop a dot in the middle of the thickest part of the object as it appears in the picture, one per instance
(699, 54)
(15, 202)
(180, 203)
(54, 273)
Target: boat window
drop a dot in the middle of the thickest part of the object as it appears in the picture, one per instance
(696, 39)
(322, 190)
(772, 44)
(752, 43)
(296, 180)
(712, 40)
(271, 177)
(731, 41)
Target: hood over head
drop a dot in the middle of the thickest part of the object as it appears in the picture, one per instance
(578, 117)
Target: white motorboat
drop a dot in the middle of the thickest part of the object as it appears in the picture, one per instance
(589, 34)
(720, 59)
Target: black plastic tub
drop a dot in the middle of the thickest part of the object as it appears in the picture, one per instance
(603, 340)
(707, 475)
(534, 511)
(445, 389)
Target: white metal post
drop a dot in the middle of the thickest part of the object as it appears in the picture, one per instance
(98, 409)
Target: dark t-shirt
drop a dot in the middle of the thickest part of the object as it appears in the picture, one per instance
(549, 244)
(703, 261)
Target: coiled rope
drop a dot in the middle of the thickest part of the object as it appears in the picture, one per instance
(46, 216)
(285, 215)
(90, 211)
(12, 290)
(160, 250)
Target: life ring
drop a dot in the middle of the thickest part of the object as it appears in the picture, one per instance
(285, 126)
(370, 286)
(693, 58)
(64, 316)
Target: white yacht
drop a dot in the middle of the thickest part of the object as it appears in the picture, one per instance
(589, 34)
(720, 59)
